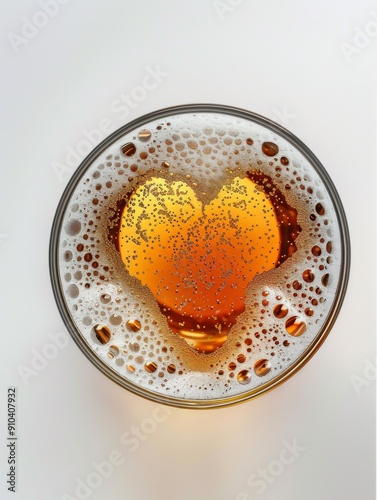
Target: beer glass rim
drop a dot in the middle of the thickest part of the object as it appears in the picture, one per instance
(344, 264)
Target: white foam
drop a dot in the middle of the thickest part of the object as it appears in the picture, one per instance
(203, 147)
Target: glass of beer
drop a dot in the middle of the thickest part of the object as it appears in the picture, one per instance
(199, 255)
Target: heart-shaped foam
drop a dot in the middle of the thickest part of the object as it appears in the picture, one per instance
(198, 260)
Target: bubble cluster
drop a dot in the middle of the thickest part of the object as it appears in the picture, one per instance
(199, 255)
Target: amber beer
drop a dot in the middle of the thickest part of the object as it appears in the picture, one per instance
(198, 260)
(199, 255)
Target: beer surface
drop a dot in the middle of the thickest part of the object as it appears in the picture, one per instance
(199, 256)
(196, 259)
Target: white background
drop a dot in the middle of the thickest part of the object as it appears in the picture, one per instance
(274, 58)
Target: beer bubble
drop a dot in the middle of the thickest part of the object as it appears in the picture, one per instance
(295, 326)
(73, 291)
(134, 325)
(244, 377)
(113, 351)
(150, 367)
(262, 367)
(280, 311)
(308, 276)
(115, 319)
(297, 285)
(105, 298)
(73, 227)
(102, 333)
(325, 279)
(68, 256)
(144, 135)
(316, 251)
(129, 149)
(270, 148)
(88, 257)
(319, 209)
(134, 347)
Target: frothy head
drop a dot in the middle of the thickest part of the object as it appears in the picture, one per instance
(199, 256)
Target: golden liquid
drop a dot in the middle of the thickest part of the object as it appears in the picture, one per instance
(197, 259)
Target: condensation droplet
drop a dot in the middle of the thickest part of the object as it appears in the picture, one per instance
(249, 141)
(262, 367)
(280, 311)
(165, 164)
(244, 377)
(309, 311)
(130, 368)
(329, 247)
(241, 358)
(284, 161)
(232, 366)
(295, 326)
(270, 148)
(171, 368)
(103, 333)
(129, 149)
(325, 279)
